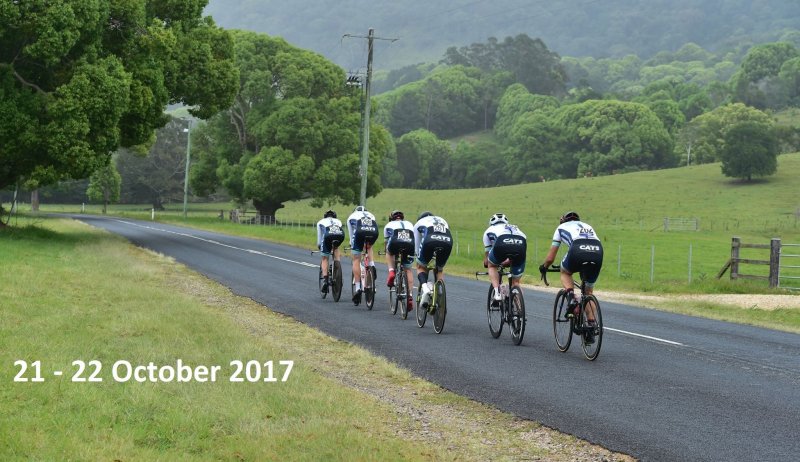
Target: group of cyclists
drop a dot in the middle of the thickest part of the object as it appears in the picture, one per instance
(504, 245)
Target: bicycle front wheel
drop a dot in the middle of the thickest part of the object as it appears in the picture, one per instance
(562, 326)
(422, 315)
(517, 305)
(402, 294)
(369, 287)
(439, 307)
(495, 315)
(592, 348)
(337, 280)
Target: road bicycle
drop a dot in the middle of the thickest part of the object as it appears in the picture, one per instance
(437, 306)
(368, 279)
(399, 292)
(564, 327)
(334, 276)
(510, 310)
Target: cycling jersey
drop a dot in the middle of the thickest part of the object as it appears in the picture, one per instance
(504, 241)
(329, 235)
(399, 236)
(585, 250)
(433, 233)
(362, 227)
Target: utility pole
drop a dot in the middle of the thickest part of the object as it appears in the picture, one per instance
(188, 131)
(362, 171)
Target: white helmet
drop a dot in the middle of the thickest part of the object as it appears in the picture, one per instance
(360, 208)
(498, 218)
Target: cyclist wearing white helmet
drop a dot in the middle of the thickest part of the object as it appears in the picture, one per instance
(329, 236)
(584, 255)
(505, 245)
(399, 236)
(363, 228)
(431, 233)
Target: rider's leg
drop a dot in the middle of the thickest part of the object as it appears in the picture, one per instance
(390, 264)
(357, 269)
(324, 265)
(590, 308)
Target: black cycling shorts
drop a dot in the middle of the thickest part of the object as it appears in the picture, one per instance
(585, 256)
(441, 243)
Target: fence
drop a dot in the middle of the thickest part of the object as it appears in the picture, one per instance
(789, 267)
(681, 224)
(775, 256)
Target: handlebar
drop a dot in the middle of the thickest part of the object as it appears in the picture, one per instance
(552, 269)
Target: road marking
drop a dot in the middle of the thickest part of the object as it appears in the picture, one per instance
(211, 241)
(670, 342)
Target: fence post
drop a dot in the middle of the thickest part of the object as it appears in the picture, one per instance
(735, 241)
(774, 262)
(652, 263)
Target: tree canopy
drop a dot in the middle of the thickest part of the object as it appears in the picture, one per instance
(79, 78)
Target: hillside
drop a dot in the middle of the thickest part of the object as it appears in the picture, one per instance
(571, 28)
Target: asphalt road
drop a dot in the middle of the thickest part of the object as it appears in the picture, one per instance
(665, 387)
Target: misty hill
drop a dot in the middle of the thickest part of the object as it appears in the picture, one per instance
(607, 28)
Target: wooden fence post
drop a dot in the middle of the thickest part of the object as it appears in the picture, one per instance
(774, 262)
(735, 241)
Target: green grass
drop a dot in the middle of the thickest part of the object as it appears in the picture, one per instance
(73, 293)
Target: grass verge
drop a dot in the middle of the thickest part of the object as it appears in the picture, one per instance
(74, 293)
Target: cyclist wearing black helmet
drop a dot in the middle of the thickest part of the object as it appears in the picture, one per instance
(329, 236)
(504, 244)
(363, 230)
(584, 255)
(431, 232)
(399, 234)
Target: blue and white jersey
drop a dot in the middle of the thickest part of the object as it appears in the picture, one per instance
(361, 221)
(328, 225)
(429, 225)
(570, 231)
(500, 229)
(393, 225)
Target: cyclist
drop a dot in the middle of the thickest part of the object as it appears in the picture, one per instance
(329, 236)
(584, 254)
(363, 229)
(399, 236)
(431, 232)
(505, 245)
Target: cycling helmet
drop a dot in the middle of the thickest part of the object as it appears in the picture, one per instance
(569, 216)
(396, 215)
(329, 214)
(360, 208)
(424, 214)
(498, 218)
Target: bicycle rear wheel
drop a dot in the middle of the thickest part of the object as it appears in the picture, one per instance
(562, 326)
(422, 315)
(337, 281)
(402, 294)
(591, 350)
(517, 307)
(439, 307)
(323, 293)
(369, 287)
(495, 315)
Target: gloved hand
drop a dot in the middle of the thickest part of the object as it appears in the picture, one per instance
(542, 269)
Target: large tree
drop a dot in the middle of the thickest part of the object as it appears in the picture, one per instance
(750, 149)
(292, 132)
(79, 78)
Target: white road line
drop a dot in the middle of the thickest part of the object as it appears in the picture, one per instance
(211, 241)
(644, 336)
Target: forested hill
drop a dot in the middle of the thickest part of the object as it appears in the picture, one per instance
(598, 28)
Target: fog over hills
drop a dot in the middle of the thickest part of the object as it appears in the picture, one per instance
(599, 28)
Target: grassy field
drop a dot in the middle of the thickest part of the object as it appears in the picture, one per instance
(71, 292)
(628, 212)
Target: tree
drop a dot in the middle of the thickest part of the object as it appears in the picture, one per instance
(423, 160)
(712, 127)
(157, 175)
(80, 78)
(292, 107)
(757, 78)
(104, 185)
(750, 149)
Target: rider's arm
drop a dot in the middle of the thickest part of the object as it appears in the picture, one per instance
(551, 255)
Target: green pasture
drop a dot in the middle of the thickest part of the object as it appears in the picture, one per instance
(628, 211)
